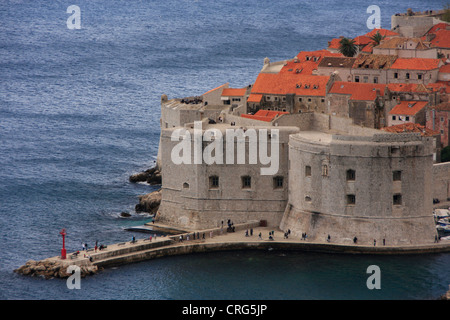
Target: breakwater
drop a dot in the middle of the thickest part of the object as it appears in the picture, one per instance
(248, 236)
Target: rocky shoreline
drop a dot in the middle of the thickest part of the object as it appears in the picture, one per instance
(148, 202)
(49, 269)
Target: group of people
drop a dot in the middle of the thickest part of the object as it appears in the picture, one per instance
(195, 236)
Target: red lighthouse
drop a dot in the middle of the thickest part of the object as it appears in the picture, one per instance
(63, 250)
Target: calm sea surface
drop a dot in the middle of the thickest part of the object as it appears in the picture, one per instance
(79, 113)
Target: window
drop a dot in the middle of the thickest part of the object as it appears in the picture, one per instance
(307, 171)
(351, 175)
(278, 182)
(397, 199)
(246, 182)
(407, 75)
(442, 119)
(395, 75)
(322, 100)
(325, 170)
(299, 99)
(213, 182)
(375, 79)
(186, 185)
(356, 78)
(407, 118)
(419, 76)
(394, 117)
(365, 79)
(351, 199)
(309, 99)
(308, 199)
(397, 175)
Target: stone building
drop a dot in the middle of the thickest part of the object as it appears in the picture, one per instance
(438, 119)
(331, 178)
(406, 48)
(408, 111)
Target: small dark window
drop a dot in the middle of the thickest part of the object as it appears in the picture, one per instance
(351, 199)
(356, 78)
(214, 182)
(407, 118)
(307, 171)
(396, 75)
(397, 176)
(397, 199)
(394, 117)
(246, 182)
(278, 182)
(407, 76)
(351, 175)
(419, 76)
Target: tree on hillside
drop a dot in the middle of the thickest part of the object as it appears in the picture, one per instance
(347, 47)
(376, 38)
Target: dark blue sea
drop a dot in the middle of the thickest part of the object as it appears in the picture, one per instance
(79, 113)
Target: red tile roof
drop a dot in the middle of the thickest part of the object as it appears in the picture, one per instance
(254, 97)
(232, 92)
(305, 66)
(334, 43)
(436, 27)
(264, 115)
(383, 32)
(290, 83)
(411, 127)
(439, 85)
(408, 108)
(407, 87)
(442, 39)
(368, 48)
(362, 40)
(445, 68)
(357, 90)
(416, 64)
(225, 84)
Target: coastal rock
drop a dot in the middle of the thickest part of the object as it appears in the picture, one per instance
(125, 214)
(52, 269)
(151, 176)
(149, 202)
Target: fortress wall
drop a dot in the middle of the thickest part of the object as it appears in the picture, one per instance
(189, 200)
(319, 202)
(342, 229)
(301, 120)
(441, 181)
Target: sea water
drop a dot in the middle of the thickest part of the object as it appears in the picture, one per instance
(79, 113)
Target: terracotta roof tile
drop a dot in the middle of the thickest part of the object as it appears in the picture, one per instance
(288, 83)
(416, 64)
(411, 128)
(442, 39)
(374, 61)
(407, 87)
(264, 115)
(408, 108)
(232, 92)
(445, 68)
(439, 26)
(357, 90)
(254, 97)
(307, 61)
(383, 32)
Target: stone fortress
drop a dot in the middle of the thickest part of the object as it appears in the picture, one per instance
(338, 175)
